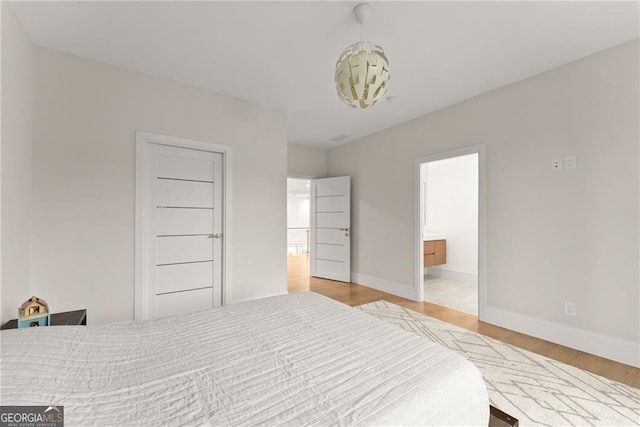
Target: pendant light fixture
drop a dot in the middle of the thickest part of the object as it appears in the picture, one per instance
(362, 71)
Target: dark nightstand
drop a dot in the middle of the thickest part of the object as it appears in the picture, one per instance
(77, 317)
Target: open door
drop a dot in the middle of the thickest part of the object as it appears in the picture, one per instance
(330, 228)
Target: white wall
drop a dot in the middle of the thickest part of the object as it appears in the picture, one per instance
(17, 58)
(451, 208)
(551, 236)
(85, 117)
(297, 218)
(306, 161)
(297, 211)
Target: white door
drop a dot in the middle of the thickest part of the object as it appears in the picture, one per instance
(182, 237)
(330, 228)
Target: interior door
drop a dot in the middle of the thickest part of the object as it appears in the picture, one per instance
(183, 224)
(331, 228)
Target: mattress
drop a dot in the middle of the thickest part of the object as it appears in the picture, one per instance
(299, 359)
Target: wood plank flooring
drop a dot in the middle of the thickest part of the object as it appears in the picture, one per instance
(353, 295)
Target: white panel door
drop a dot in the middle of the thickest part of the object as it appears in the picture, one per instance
(182, 230)
(331, 228)
(183, 302)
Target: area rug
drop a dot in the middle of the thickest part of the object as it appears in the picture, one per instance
(532, 388)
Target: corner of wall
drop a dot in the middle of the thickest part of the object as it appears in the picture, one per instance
(306, 161)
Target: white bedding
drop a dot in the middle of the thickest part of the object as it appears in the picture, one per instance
(299, 359)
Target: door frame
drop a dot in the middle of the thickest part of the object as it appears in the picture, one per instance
(482, 223)
(143, 140)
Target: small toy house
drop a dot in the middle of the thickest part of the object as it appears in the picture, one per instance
(34, 312)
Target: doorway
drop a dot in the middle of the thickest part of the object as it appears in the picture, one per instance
(318, 228)
(450, 231)
(450, 219)
(298, 194)
(182, 195)
(298, 238)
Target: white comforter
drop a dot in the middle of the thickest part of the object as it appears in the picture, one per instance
(299, 359)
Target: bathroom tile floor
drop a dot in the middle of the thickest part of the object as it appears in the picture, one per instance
(456, 294)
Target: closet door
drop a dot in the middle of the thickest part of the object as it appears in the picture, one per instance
(182, 230)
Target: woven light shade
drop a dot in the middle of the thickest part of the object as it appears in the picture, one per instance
(362, 75)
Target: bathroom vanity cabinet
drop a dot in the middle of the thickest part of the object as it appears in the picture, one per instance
(435, 252)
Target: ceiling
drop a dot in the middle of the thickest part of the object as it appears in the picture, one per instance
(283, 54)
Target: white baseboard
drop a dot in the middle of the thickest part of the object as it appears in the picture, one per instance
(384, 285)
(446, 273)
(622, 351)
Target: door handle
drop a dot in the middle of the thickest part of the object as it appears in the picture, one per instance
(346, 231)
(215, 236)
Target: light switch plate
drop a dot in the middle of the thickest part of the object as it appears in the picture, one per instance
(570, 162)
(569, 308)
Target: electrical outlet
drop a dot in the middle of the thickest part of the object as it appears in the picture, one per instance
(556, 164)
(569, 308)
(570, 162)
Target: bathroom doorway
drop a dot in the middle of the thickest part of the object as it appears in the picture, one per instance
(450, 231)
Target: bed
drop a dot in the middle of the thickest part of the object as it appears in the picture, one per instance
(299, 359)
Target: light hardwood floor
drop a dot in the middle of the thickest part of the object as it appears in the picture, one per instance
(353, 295)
